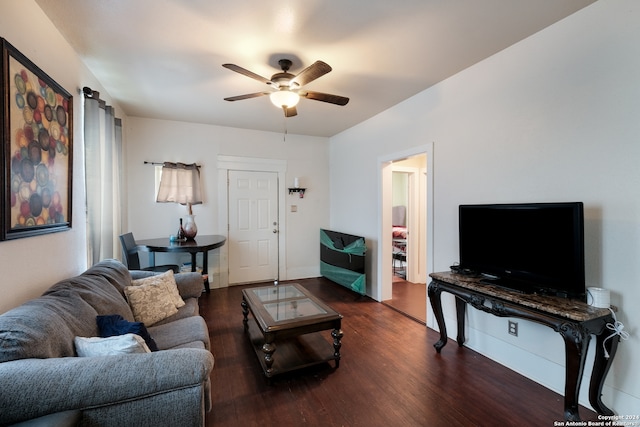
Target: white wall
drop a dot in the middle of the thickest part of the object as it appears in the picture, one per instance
(31, 265)
(553, 118)
(157, 140)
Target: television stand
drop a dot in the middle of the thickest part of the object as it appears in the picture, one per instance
(500, 284)
(574, 320)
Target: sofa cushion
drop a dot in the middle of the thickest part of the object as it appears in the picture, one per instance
(102, 287)
(111, 346)
(150, 303)
(165, 280)
(45, 327)
(114, 325)
(175, 334)
(113, 272)
(59, 419)
(193, 344)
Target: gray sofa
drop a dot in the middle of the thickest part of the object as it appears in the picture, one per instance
(41, 375)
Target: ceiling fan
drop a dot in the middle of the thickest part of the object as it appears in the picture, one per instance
(287, 88)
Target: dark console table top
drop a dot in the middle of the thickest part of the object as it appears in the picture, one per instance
(575, 310)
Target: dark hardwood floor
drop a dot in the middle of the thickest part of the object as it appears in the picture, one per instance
(389, 375)
(409, 299)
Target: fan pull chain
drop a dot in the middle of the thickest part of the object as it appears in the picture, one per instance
(284, 134)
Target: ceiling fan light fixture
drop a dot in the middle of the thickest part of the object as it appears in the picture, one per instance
(285, 86)
(284, 98)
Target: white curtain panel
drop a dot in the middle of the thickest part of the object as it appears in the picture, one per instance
(103, 170)
(180, 183)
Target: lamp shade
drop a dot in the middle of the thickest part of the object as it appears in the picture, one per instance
(284, 98)
(180, 183)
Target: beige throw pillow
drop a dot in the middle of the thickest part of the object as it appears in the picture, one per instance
(150, 303)
(165, 279)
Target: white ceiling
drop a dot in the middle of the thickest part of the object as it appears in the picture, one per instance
(163, 58)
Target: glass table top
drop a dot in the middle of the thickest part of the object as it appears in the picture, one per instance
(277, 293)
(286, 310)
(286, 302)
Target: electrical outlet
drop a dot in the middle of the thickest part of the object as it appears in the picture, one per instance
(294, 208)
(513, 328)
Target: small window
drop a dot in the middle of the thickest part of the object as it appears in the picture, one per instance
(158, 176)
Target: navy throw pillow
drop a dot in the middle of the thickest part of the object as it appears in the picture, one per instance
(114, 324)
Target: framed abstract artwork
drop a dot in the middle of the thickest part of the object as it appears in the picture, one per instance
(36, 134)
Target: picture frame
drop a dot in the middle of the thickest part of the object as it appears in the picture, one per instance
(36, 134)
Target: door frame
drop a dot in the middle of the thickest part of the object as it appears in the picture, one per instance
(227, 163)
(384, 273)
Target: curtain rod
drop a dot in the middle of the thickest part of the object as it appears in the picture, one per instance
(90, 93)
(160, 164)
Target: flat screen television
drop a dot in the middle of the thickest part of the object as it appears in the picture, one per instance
(528, 247)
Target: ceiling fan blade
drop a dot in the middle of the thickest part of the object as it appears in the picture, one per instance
(325, 97)
(290, 112)
(309, 74)
(245, 72)
(247, 96)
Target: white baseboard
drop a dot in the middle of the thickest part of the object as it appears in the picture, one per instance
(302, 273)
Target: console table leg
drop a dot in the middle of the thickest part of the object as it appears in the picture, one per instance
(601, 367)
(576, 342)
(461, 308)
(435, 292)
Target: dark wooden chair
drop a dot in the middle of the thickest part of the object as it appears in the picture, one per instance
(132, 259)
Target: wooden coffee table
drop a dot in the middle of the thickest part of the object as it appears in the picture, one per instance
(289, 318)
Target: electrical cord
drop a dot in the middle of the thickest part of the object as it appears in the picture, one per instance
(617, 328)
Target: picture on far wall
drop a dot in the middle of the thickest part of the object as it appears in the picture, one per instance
(37, 145)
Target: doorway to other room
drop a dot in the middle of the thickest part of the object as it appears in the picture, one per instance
(405, 238)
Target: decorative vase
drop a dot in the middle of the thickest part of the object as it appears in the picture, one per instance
(190, 228)
(180, 235)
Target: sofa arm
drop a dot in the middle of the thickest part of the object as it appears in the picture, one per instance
(190, 285)
(35, 387)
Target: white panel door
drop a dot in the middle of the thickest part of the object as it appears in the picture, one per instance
(253, 226)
